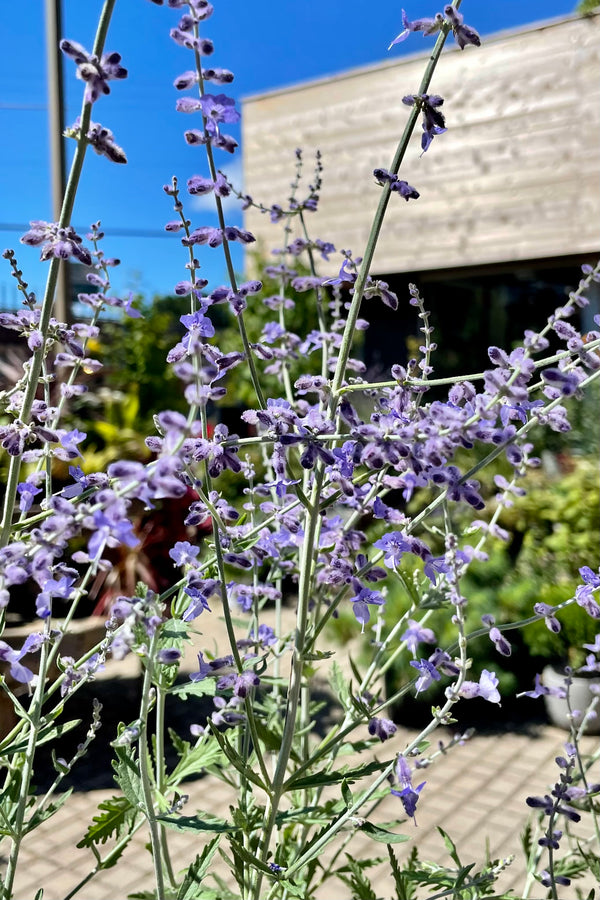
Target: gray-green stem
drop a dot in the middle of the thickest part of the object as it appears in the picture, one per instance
(143, 751)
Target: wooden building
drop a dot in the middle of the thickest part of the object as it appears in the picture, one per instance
(510, 194)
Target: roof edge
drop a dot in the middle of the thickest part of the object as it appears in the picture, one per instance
(387, 64)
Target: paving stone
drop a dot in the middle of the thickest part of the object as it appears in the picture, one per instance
(476, 792)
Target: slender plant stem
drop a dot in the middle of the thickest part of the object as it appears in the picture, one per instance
(107, 861)
(296, 675)
(161, 777)
(48, 301)
(35, 723)
(360, 283)
(144, 752)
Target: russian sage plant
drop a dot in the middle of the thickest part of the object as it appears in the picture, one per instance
(303, 509)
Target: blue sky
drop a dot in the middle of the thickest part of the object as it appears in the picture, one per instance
(267, 44)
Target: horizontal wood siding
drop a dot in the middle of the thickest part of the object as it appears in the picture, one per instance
(516, 176)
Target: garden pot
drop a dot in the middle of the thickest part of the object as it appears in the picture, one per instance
(580, 696)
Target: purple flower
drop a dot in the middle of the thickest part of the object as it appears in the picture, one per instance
(200, 590)
(361, 601)
(382, 728)
(550, 620)
(27, 492)
(226, 713)
(565, 382)
(13, 657)
(206, 234)
(184, 554)
(168, 655)
(69, 441)
(428, 674)
(58, 242)
(50, 589)
(394, 546)
(540, 690)
(95, 72)
(110, 527)
(401, 187)
(233, 233)
(217, 108)
(486, 688)
(416, 634)
(463, 34)
(104, 144)
(197, 184)
(204, 669)
(433, 120)
(584, 598)
(241, 683)
(589, 576)
(427, 26)
(407, 793)
(266, 636)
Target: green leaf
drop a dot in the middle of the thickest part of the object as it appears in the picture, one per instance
(194, 689)
(318, 655)
(116, 817)
(47, 812)
(48, 733)
(237, 761)
(346, 794)
(270, 738)
(208, 822)
(311, 815)
(349, 775)
(355, 671)
(526, 839)
(400, 881)
(380, 834)
(240, 851)
(127, 776)
(196, 872)
(450, 846)
(339, 685)
(196, 761)
(358, 881)
(182, 747)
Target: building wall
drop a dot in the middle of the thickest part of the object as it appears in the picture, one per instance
(516, 176)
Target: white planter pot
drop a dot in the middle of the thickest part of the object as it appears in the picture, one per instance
(580, 697)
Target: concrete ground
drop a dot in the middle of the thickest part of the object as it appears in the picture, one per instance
(476, 792)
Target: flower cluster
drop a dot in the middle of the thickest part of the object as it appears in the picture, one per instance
(330, 493)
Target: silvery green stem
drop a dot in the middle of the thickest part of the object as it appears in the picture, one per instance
(143, 752)
(35, 723)
(296, 675)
